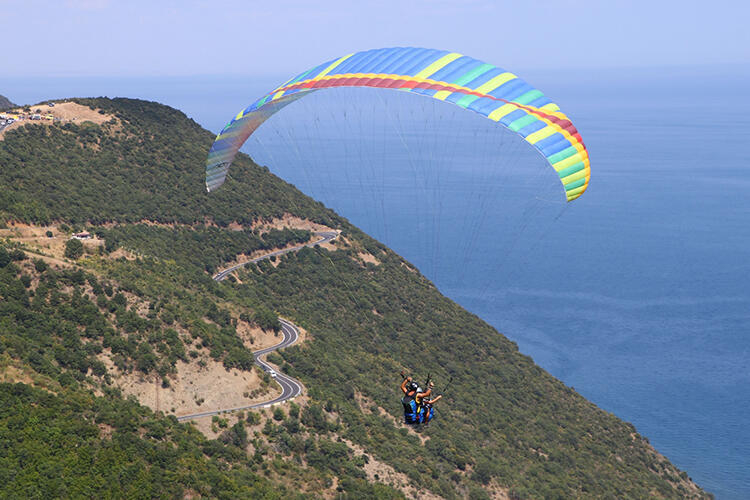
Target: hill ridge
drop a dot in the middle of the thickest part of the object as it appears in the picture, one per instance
(5, 103)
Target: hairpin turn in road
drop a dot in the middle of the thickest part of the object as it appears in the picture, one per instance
(290, 388)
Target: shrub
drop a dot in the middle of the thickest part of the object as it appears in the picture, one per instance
(4, 257)
(17, 254)
(73, 249)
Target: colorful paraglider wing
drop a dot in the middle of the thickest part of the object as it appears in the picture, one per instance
(231, 138)
(447, 76)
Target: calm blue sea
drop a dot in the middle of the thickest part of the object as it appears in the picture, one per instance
(637, 294)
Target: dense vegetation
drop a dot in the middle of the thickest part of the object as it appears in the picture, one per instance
(79, 445)
(504, 423)
(58, 322)
(147, 164)
(73, 445)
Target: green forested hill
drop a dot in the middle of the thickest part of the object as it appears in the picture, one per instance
(143, 165)
(72, 445)
(506, 425)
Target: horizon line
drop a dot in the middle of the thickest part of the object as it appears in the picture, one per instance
(745, 65)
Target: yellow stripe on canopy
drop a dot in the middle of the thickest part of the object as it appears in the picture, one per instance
(503, 110)
(333, 65)
(495, 82)
(567, 162)
(574, 177)
(442, 94)
(438, 65)
(574, 193)
(541, 134)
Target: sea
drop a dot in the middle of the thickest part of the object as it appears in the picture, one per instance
(637, 294)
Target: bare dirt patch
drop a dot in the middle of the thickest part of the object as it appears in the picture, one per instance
(194, 389)
(54, 246)
(255, 338)
(13, 375)
(496, 491)
(105, 431)
(339, 242)
(122, 253)
(62, 112)
(66, 111)
(291, 221)
(72, 111)
(206, 426)
(13, 371)
(409, 268)
(203, 424)
(380, 472)
(368, 258)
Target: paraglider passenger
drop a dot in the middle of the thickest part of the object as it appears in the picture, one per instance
(426, 394)
(427, 411)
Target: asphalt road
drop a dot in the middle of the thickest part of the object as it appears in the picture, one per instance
(325, 237)
(290, 388)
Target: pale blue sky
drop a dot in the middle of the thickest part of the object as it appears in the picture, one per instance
(192, 37)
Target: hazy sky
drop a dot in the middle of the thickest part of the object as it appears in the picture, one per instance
(191, 37)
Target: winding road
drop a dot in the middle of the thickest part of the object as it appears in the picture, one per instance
(325, 237)
(290, 388)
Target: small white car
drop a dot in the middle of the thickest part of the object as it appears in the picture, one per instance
(272, 373)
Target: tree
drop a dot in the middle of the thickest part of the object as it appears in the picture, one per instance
(4, 257)
(73, 249)
(266, 319)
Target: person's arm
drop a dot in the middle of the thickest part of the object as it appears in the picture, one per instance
(420, 396)
(432, 402)
(403, 384)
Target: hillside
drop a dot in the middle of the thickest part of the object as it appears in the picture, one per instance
(138, 306)
(5, 103)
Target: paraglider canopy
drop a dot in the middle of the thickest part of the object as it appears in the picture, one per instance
(447, 76)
